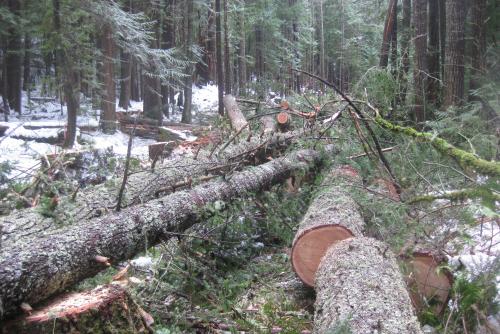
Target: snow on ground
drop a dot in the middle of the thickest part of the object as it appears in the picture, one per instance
(25, 155)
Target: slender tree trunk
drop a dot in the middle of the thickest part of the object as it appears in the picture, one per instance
(168, 43)
(27, 63)
(227, 54)
(134, 82)
(420, 70)
(454, 68)
(442, 36)
(218, 47)
(322, 50)
(405, 51)
(433, 52)
(390, 21)
(72, 94)
(108, 103)
(14, 60)
(5, 102)
(242, 63)
(478, 42)
(259, 60)
(188, 88)
(125, 80)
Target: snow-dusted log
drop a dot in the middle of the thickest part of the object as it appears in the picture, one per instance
(268, 125)
(141, 187)
(359, 286)
(332, 216)
(238, 120)
(32, 270)
(94, 311)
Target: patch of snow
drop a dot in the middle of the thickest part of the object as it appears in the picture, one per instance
(119, 142)
(143, 262)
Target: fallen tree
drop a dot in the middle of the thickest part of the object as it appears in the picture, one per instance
(236, 117)
(32, 270)
(143, 186)
(331, 254)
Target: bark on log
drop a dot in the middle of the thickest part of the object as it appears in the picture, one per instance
(33, 270)
(97, 201)
(105, 309)
(238, 120)
(359, 285)
(332, 216)
(268, 125)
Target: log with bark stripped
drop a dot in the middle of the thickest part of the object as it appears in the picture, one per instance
(236, 117)
(31, 270)
(97, 201)
(95, 311)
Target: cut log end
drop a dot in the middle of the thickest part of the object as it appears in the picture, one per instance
(310, 246)
(429, 286)
(283, 118)
(90, 311)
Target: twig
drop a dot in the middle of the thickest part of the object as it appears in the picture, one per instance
(388, 149)
(127, 164)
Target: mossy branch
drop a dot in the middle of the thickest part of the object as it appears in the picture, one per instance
(459, 195)
(465, 159)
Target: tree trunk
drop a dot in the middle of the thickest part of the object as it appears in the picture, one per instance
(152, 96)
(433, 53)
(390, 21)
(125, 80)
(108, 102)
(259, 60)
(218, 51)
(33, 271)
(134, 82)
(14, 60)
(188, 84)
(4, 83)
(420, 70)
(72, 93)
(227, 55)
(442, 35)
(94, 202)
(242, 62)
(454, 68)
(359, 288)
(238, 120)
(95, 311)
(27, 63)
(405, 51)
(332, 216)
(478, 45)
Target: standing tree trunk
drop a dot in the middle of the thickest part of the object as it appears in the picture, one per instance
(433, 52)
(218, 50)
(13, 59)
(242, 63)
(420, 70)
(227, 54)
(27, 63)
(134, 82)
(478, 45)
(259, 59)
(390, 21)
(108, 102)
(125, 80)
(72, 93)
(454, 67)
(405, 51)
(188, 88)
(442, 36)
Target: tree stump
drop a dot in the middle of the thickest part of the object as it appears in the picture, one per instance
(106, 309)
(283, 119)
(359, 287)
(331, 217)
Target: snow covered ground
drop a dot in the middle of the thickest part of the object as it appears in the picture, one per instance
(24, 156)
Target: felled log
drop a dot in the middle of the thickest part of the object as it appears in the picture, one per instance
(159, 150)
(268, 125)
(359, 286)
(97, 201)
(332, 216)
(31, 270)
(283, 119)
(236, 117)
(94, 311)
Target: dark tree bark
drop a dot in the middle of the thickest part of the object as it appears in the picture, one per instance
(72, 94)
(135, 94)
(14, 60)
(420, 68)
(188, 84)
(3, 83)
(33, 271)
(207, 71)
(125, 79)
(168, 41)
(242, 63)
(259, 60)
(442, 35)
(390, 21)
(218, 47)
(454, 67)
(108, 102)
(227, 54)
(27, 63)
(433, 53)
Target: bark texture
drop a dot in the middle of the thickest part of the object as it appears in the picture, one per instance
(420, 70)
(31, 271)
(105, 309)
(108, 103)
(390, 20)
(359, 286)
(332, 216)
(238, 120)
(143, 186)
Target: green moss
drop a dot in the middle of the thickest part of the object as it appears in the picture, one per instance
(465, 159)
(460, 195)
